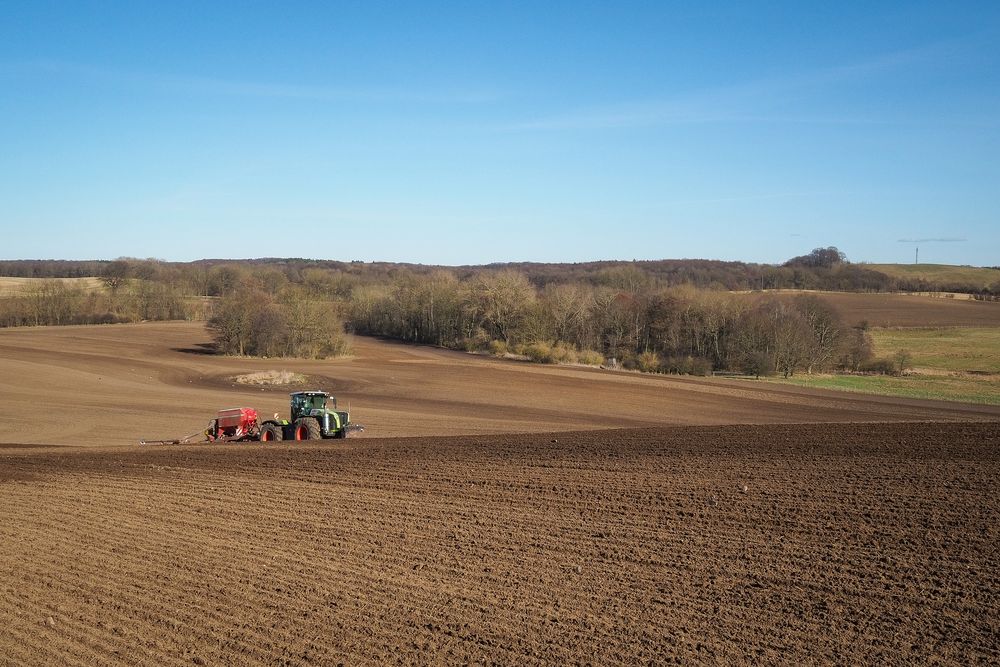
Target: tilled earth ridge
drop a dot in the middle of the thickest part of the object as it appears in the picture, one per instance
(795, 544)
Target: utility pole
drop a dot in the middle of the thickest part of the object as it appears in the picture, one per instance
(916, 260)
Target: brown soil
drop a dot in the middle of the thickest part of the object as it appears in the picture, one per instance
(851, 544)
(908, 310)
(115, 385)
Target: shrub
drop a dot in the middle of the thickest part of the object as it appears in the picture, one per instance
(648, 362)
(590, 358)
(543, 352)
(701, 366)
(498, 348)
(479, 340)
(563, 353)
(674, 365)
(687, 365)
(540, 352)
(903, 359)
(757, 363)
(879, 367)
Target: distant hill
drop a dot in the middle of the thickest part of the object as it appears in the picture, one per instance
(823, 269)
(940, 274)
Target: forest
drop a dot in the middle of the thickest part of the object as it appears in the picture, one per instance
(672, 316)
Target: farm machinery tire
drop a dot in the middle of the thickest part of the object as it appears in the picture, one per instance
(306, 428)
(271, 433)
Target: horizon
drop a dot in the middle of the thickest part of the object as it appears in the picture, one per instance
(450, 134)
(127, 258)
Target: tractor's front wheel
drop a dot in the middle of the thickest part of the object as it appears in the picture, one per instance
(306, 428)
(271, 433)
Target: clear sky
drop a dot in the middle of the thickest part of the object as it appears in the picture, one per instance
(473, 132)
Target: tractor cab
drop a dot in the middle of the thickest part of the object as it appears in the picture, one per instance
(310, 404)
(319, 408)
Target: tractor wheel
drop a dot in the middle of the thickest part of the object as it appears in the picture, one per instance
(271, 433)
(306, 428)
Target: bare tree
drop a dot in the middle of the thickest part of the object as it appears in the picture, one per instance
(504, 300)
(233, 320)
(116, 274)
(859, 349)
(773, 335)
(827, 331)
(565, 308)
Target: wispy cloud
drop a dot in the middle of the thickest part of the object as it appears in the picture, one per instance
(760, 196)
(196, 85)
(751, 101)
(933, 240)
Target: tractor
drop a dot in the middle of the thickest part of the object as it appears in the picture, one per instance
(312, 418)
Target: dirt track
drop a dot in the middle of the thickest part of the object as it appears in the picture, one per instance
(115, 385)
(852, 544)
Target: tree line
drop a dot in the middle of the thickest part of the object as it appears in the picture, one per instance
(53, 302)
(631, 322)
(821, 269)
(622, 314)
(292, 321)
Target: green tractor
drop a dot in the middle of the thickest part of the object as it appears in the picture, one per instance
(314, 416)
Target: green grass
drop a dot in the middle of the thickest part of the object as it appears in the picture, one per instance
(945, 348)
(948, 353)
(940, 273)
(964, 388)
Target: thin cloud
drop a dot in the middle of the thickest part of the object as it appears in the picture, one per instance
(752, 101)
(933, 240)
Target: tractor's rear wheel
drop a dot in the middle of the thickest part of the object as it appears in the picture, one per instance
(271, 433)
(306, 428)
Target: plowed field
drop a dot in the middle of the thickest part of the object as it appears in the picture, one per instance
(792, 544)
(907, 310)
(827, 541)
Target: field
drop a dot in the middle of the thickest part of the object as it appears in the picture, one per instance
(947, 363)
(968, 349)
(946, 387)
(540, 515)
(116, 385)
(906, 310)
(844, 544)
(940, 273)
(12, 286)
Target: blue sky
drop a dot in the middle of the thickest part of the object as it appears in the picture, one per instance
(468, 132)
